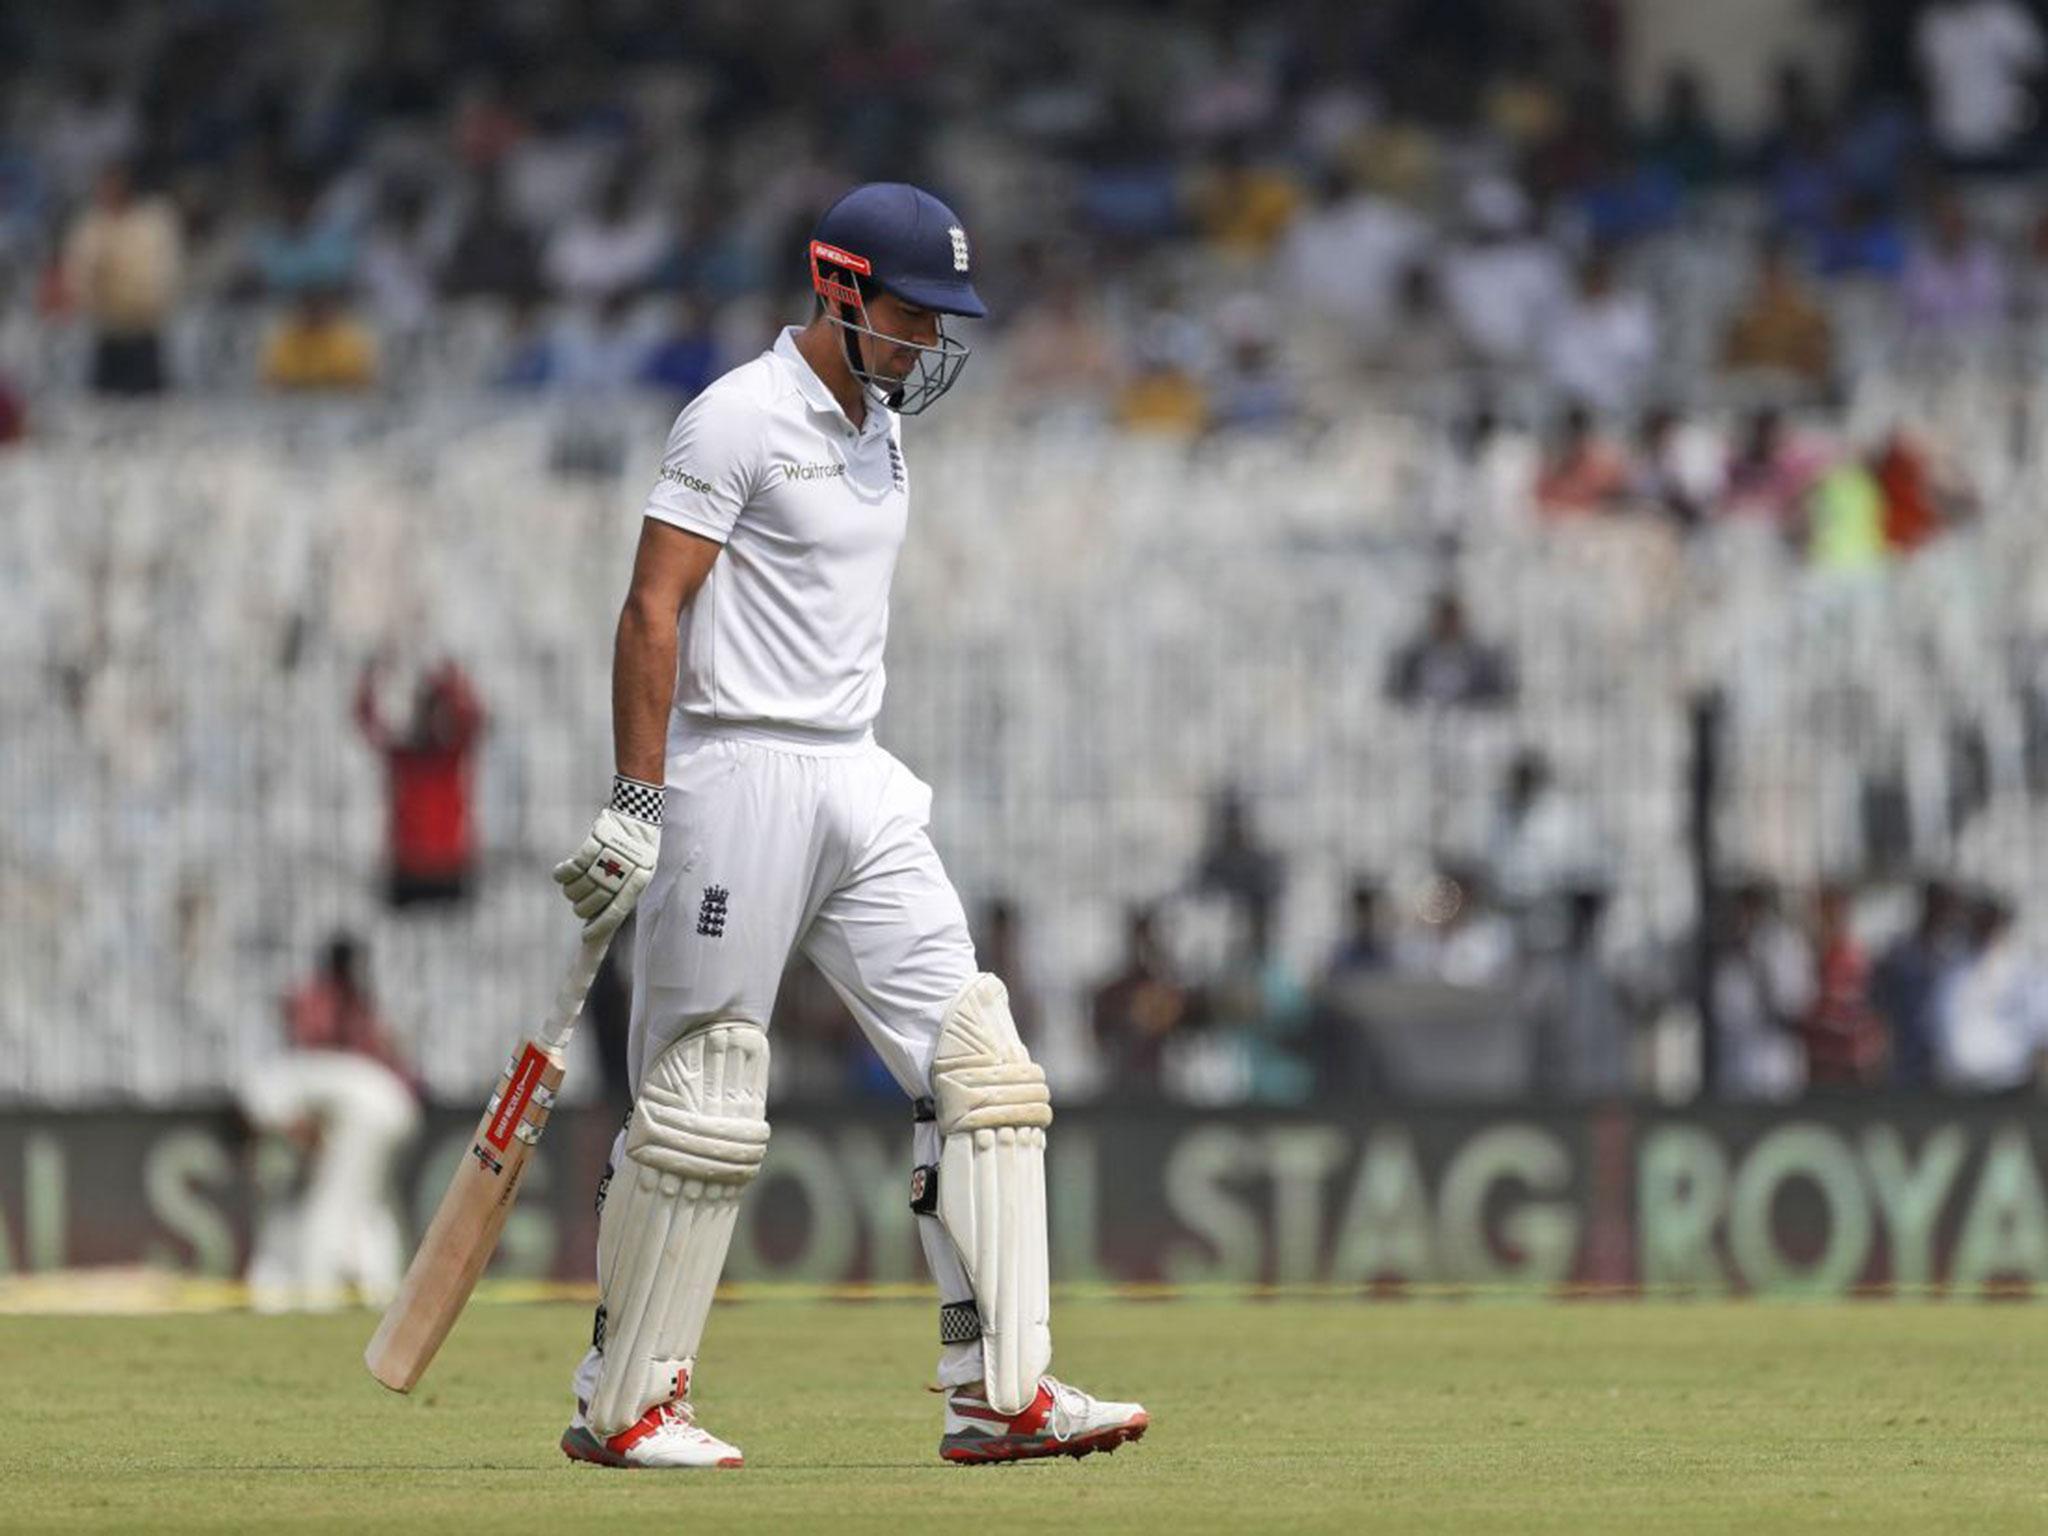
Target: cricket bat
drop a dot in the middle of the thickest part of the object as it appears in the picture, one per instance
(464, 1232)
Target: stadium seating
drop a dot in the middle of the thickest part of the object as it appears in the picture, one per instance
(1091, 634)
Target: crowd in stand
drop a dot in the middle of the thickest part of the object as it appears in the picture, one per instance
(1803, 992)
(1427, 186)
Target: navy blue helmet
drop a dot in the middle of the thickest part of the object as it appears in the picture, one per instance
(900, 239)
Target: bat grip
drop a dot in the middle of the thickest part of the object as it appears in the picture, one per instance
(561, 1020)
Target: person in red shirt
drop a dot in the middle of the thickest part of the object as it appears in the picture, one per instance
(431, 839)
(1844, 1034)
(333, 1010)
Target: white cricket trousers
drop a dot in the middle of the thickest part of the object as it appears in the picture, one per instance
(774, 842)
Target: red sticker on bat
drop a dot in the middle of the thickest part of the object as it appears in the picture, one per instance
(518, 1094)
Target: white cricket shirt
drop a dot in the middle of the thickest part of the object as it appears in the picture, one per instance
(788, 629)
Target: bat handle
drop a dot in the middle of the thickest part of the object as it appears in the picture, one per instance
(561, 1020)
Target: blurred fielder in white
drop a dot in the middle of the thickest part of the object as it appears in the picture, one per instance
(759, 816)
(343, 1096)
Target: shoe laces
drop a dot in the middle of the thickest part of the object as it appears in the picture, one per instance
(677, 1413)
(1070, 1404)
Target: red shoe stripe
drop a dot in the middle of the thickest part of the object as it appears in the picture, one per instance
(631, 1436)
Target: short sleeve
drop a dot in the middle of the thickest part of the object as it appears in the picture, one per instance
(710, 466)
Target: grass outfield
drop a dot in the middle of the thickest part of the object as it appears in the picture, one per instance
(1267, 1416)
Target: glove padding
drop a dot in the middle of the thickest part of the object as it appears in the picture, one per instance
(604, 878)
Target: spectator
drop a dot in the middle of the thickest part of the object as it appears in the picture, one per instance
(122, 265)
(1955, 282)
(1165, 392)
(431, 844)
(1907, 986)
(13, 414)
(1502, 284)
(1621, 196)
(1578, 1031)
(1845, 518)
(494, 254)
(1420, 342)
(1540, 838)
(1459, 938)
(1993, 1008)
(1059, 354)
(1362, 951)
(1781, 325)
(1770, 473)
(601, 350)
(1259, 1007)
(1585, 473)
(1446, 666)
(1233, 860)
(560, 163)
(999, 949)
(1979, 61)
(611, 250)
(299, 251)
(1866, 239)
(1845, 1041)
(1243, 207)
(1918, 500)
(1602, 346)
(1800, 162)
(530, 359)
(334, 1011)
(343, 1094)
(1347, 259)
(1338, 1047)
(1683, 140)
(319, 346)
(685, 357)
(402, 257)
(1251, 391)
(1797, 115)
(1676, 473)
(1761, 988)
(91, 128)
(1139, 1009)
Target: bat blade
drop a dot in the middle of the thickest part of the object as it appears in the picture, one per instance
(464, 1232)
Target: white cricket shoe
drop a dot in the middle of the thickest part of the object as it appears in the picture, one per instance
(668, 1435)
(1060, 1421)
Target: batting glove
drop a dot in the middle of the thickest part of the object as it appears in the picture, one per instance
(604, 878)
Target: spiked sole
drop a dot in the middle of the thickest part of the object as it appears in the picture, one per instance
(582, 1445)
(997, 1450)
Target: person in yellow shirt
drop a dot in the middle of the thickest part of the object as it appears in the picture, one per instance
(1781, 326)
(1243, 207)
(320, 346)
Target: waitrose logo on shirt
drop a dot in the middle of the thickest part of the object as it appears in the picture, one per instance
(791, 470)
(685, 479)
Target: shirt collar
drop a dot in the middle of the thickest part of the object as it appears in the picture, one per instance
(816, 395)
